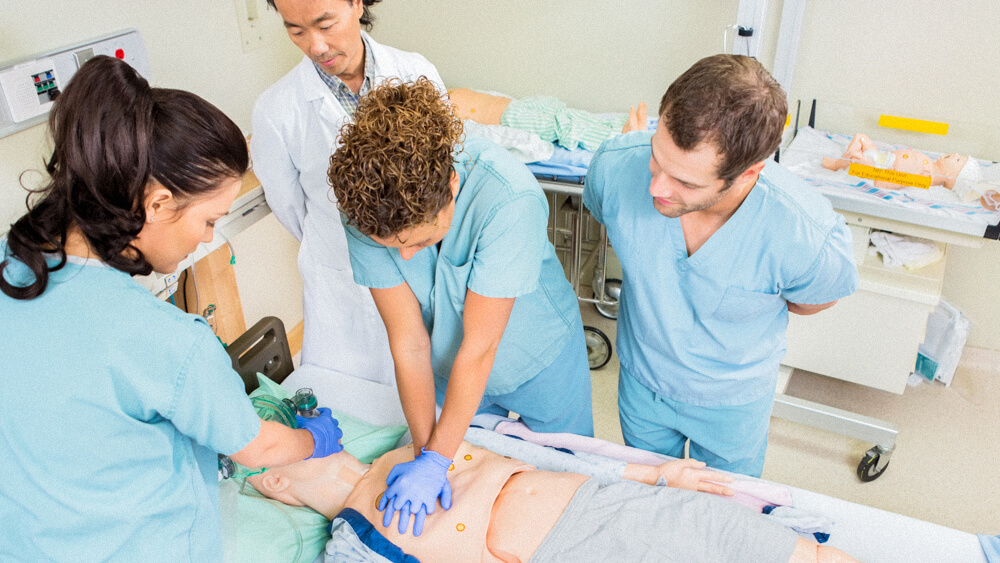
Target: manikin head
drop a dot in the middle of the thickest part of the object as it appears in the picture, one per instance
(322, 484)
(327, 31)
(719, 121)
(949, 167)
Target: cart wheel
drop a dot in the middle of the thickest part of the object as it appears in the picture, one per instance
(612, 290)
(598, 347)
(869, 469)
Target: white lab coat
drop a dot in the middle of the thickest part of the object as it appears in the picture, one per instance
(296, 125)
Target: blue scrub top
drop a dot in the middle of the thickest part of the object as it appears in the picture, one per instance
(497, 246)
(709, 329)
(114, 405)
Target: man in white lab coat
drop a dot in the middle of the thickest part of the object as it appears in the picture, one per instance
(296, 126)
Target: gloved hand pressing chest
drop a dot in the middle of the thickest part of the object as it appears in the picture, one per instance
(413, 488)
(325, 431)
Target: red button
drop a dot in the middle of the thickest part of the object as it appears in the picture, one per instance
(120, 53)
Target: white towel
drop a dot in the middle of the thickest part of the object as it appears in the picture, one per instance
(902, 250)
(524, 145)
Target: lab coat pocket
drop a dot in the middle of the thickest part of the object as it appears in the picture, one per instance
(740, 304)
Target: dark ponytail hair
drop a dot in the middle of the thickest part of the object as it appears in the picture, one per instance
(112, 135)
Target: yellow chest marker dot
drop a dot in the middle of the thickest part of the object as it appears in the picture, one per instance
(451, 467)
(468, 457)
(906, 156)
(472, 110)
(460, 527)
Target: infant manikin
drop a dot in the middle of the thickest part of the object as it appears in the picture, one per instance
(956, 172)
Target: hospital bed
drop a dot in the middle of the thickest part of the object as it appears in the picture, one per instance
(299, 534)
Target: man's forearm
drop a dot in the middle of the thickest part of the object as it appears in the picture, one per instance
(803, 309)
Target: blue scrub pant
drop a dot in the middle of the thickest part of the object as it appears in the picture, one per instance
(731, 438)
(558, 399)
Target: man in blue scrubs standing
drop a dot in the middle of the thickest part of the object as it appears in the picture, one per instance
(729, 245)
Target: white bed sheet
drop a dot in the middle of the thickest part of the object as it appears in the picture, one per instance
(868, 534)
(372, 402)
(879, 536)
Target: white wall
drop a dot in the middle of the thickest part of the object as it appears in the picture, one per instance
(193, 45)
(924, 59)
(592, 54)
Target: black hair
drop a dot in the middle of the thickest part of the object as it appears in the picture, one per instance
(112, 134)
(366, 19)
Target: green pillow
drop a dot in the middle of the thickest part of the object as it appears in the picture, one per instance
(268, 530)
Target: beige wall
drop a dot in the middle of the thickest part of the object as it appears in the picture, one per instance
(193, 45)
(592, 54)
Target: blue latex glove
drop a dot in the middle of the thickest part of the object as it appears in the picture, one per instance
(325, 431)
(414, 488)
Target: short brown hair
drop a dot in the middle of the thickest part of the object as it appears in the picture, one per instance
(393, 168)
(732, 102)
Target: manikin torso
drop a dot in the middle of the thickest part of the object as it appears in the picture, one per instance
(502, 509)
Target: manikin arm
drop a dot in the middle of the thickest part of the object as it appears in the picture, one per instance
(681, 474)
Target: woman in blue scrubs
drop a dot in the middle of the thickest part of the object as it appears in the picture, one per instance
(451, 237)
(115, 403)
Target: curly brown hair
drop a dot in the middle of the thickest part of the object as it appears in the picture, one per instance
(393, 168)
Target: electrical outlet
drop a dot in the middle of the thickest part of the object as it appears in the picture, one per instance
(249, 18)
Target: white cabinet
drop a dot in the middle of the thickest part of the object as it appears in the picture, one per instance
(871, 337)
